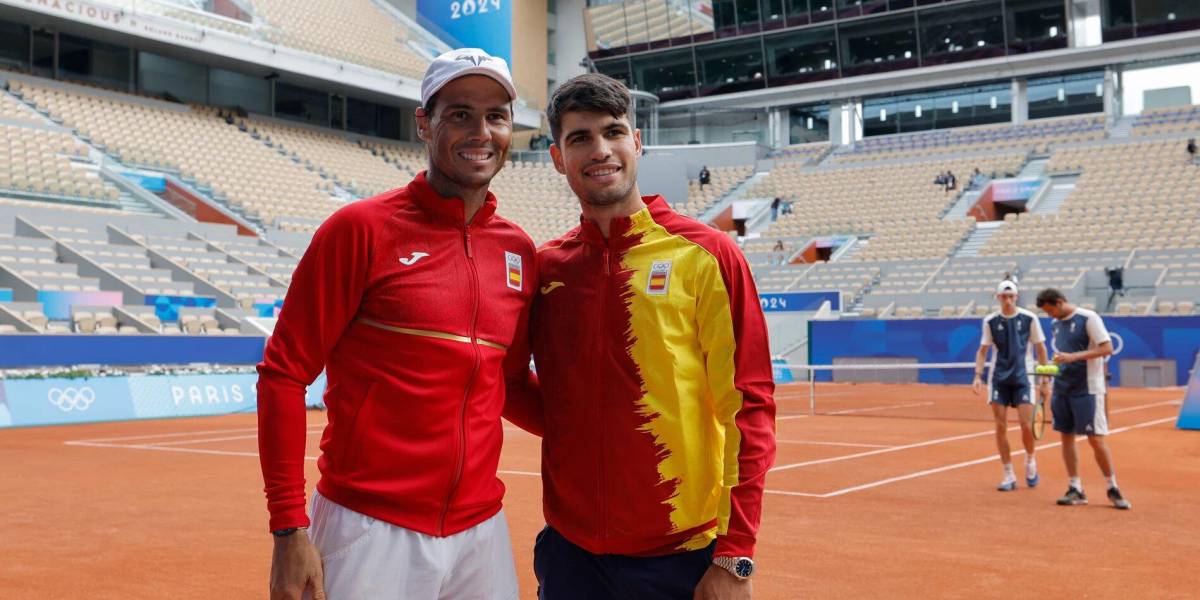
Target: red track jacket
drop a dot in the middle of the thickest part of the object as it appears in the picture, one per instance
(658, 415)
(411, 314)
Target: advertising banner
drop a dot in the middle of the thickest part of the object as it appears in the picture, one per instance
(64, 401)
(485, 24)
(956, 340)
(156, 396)
(799, 301)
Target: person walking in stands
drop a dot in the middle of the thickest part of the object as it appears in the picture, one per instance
(652, 356)
(705, 176)
(775, 208)
(408, 301)
(1191, 148)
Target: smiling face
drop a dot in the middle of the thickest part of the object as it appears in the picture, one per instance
(598, 153)
(469, 131)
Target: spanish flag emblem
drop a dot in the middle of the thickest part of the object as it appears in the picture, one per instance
(660, 278)
(513, 263)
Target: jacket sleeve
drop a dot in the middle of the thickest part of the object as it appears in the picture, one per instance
(325, 293)
(522, 397)
(733, 336)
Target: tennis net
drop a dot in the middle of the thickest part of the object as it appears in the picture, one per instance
(893, 389)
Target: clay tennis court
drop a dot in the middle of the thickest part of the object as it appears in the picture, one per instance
(859, 505)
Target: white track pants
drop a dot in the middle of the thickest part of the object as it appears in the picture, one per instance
(368, 559)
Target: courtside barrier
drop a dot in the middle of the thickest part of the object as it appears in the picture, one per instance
(956, 340)
(44, 350)
(1189, 413)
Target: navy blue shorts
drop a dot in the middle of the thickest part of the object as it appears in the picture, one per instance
(567, 572)
(1011, 394)
(1081, 414)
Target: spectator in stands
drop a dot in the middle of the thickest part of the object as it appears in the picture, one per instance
(977, 179)
(779, 253)
(787, 206)
(705, 176)
(673, 301)
(941, 180)
(951, 181)
(1081, 342)
(380, 301)
(1191, 148)
(775, 208)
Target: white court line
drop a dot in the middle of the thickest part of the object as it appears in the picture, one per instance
(968, 463)
(163, 448)
(170, 435)
(944, 440)
(220, 439)
(166, 449)
(790, 417)
(848, 444)
(875, 408)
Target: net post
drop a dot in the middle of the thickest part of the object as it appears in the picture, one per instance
(812, 392)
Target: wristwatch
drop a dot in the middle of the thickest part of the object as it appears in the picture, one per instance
(741, 566)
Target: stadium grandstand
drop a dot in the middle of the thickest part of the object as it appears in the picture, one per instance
(882, 164)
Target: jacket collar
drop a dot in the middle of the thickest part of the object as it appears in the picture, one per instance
(448, 210)
(624, 232)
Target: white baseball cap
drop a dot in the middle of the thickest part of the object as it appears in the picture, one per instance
(464, 61)
(1006, 287)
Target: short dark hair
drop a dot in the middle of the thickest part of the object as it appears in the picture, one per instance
(591, 92)
(1050, 296)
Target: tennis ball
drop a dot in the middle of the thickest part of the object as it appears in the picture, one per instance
(1046, 369)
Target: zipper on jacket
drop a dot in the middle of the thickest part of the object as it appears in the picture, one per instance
(605, 329)
(462, 409)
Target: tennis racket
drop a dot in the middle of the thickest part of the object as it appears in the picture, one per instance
(1040, 416)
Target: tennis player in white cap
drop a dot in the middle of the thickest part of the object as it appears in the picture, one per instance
(1014, 333)
(410, 301)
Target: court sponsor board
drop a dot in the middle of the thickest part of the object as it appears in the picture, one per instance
(62, 401)
(956, 340)
(799, 301)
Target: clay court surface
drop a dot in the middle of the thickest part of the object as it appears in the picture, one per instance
(860, 505)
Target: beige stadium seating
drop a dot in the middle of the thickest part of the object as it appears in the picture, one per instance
(1140, 194)
(536, 197)
(1039, 135)
(12, 110)
(354, 31)
(335, 156)
(621, 24)
(722, 181)
(898, 205)
(1169, 120)
(251, 176)
(39, 161)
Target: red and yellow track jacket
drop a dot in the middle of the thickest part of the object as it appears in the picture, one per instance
(652, 356)
(410, 312)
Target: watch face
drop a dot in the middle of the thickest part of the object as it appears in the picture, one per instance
(744, 567)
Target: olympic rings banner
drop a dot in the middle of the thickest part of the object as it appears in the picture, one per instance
(26, 402)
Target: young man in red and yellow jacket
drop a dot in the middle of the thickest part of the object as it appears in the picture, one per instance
(409, 301)
(652, 356)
